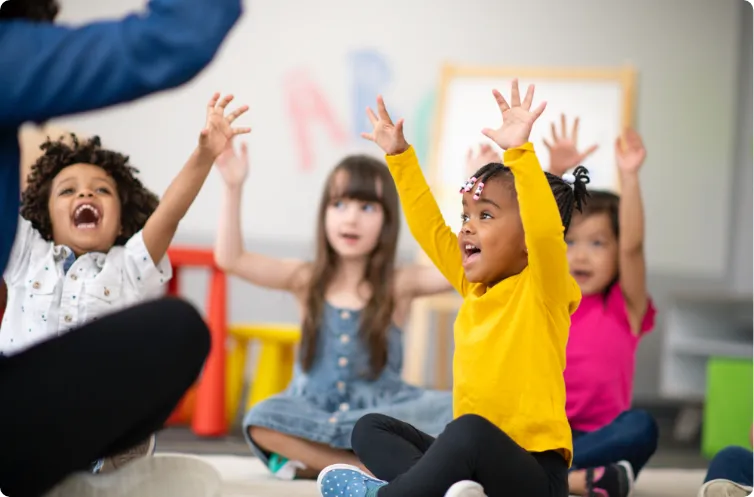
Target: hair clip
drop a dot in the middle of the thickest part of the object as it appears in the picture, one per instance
(468, 185)
(478, 191)
(569, 178)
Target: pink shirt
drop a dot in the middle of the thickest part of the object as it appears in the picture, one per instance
(600, 358)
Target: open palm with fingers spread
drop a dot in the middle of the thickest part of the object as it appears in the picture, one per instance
(217, 130)
(387, 135)
(629, 151)
(564, 152)
(233, 166)
(518, 118)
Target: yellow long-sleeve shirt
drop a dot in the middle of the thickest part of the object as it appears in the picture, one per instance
(510, 339)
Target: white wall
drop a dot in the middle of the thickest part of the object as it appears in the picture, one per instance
(686, 51)
(742, 254)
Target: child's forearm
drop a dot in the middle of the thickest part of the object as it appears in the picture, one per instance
(163, 223)
(631, 214)
(424, 217)
(229, 242)
(185, 187)
(539, 211)
(543, 226)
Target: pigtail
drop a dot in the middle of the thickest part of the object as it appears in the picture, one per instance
(580, 180)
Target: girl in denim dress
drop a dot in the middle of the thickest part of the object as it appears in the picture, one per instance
(353, 302)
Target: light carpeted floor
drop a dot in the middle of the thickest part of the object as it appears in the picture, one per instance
(247, 477)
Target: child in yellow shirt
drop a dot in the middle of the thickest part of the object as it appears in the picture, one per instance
(510, 435)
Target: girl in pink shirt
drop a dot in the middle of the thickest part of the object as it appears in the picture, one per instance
(606, 255)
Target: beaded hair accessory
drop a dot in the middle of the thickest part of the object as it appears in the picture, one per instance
(469, 184)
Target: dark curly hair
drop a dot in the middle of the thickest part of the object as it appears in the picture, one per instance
(567, 196)
(32, 10)
(136, 202)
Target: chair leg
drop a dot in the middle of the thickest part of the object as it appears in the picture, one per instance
(236, 367)
(267, 374)
(286, 367)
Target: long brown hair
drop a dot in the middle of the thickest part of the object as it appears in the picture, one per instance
(368, 180)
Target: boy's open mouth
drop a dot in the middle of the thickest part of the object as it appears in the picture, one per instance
(86, 216)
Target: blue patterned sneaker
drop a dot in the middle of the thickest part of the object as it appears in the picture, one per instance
(344, 480)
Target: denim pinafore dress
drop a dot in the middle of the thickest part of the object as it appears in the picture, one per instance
(323, 404)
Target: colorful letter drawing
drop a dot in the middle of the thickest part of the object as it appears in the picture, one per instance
(307, 105)
(371, 75)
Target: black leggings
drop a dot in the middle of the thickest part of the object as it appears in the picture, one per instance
(470, 448)
(95, 391)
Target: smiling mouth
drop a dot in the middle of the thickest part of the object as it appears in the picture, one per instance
(581, 275)
(86, 216)
(470, 253)
(350, 237)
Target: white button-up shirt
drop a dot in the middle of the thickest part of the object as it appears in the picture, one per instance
(45, 301)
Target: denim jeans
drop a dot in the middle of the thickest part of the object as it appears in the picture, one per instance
(732, 463)
(632, 437)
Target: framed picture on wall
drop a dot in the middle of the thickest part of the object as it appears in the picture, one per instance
(602, 99)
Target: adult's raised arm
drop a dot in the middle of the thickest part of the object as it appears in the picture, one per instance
(48, 70)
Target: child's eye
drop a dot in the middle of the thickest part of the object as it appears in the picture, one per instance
(104, 190)
(368, 207)
(597, 243)
(338, 204)
(569, 243)
(485, 215)
(66, 191)
(464, 218)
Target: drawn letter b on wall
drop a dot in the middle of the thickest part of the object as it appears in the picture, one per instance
(371, 75)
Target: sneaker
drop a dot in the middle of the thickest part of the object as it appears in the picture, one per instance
(283, 468)
(159, 476)
(724, 488)
(344, 480)
(615, 480)
(144, 449)
(466, 488)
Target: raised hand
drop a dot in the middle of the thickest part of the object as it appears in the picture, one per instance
(629, 151)
(518, 118)
(486, 155)
(387, 135)
(217, 130)
(233, 166)
(564, 152)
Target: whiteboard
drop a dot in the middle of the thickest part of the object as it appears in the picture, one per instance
(602, 99)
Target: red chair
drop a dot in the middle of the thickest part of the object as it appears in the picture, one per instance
(204, 405)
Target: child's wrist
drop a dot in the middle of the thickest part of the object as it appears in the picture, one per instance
(399, 150)
(628, 175)
(204, 156)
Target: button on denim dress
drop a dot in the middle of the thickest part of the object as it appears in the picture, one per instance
(324, 403)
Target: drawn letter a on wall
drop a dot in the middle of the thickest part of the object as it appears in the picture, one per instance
(307, 105)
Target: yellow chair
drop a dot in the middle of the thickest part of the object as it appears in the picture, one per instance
(274, 365)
